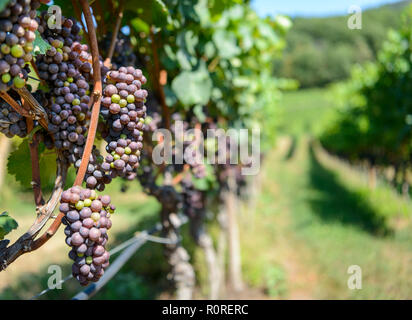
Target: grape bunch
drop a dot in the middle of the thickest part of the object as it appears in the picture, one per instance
(123, 51)
(63, 70)
(153, 121)
(81, 51)
(191, 147)
(87, 220)
(17, 33)
(124, 113)
(11, 122)
(192, 198)
(96, 176)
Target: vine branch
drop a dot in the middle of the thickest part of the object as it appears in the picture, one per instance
(108, 61)
(18, 108)
(34, 107)
(97, 91)
(35, 168)
(158, 76)
(26, 242)
(36, 70)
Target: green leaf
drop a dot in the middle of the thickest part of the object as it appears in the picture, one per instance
(187, 40)
(19, 165)
(209, 50)
(226, 44)
(171, 99)
(184, 59)
(152, 12)
(187, 10)
(193, 87)
(186, 55)
(206, 183)
(198, 111)
(200, 184)
(39, 45)
(202, 11)
(3, 4)
(7, 224)
(140, 26)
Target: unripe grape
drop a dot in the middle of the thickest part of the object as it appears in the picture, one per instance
(95, 216)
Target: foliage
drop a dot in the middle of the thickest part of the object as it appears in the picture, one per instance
(19, 165)
(374, 121)
(218, 62)
(7, 224)
(209, 62)
(323, 50)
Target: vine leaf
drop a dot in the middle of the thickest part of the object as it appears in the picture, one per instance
(152, 12)
(226, 44)
(39, 45)
(7, 224)
(193, 87)
(19, 165)
(3, 4)
(207, 182)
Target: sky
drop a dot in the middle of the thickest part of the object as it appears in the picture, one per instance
(312, 7)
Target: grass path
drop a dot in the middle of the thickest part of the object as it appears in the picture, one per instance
(315, 218)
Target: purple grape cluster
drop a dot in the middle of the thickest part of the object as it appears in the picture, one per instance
(11, 122)
(17, 33)
(153, 121)
(63, 70)
(123, 52)
(96, 176)
(85, 67)
(124, 113)
(196, 164)
(192, 198)
(87, 220)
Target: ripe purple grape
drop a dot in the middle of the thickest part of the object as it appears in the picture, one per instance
(85, 235)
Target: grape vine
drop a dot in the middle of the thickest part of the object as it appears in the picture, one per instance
(97, 100)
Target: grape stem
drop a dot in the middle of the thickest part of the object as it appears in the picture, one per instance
(213, 64)
(36, 70)
(97, 90)
(18, 108)
(179, 177)
(108, 61)
(78, 14)
(159, 84)
(34, 107)
(26, 242)
(35, 167)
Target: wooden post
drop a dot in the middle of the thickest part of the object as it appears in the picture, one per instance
(235, 267)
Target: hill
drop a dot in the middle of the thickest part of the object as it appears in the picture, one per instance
(323, 50)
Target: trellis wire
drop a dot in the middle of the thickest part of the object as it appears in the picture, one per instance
(123, 258)
(132, 245)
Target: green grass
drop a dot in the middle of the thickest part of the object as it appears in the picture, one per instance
(304, 111)
(316, 216)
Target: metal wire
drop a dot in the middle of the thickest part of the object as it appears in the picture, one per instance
(115, 250)
(139, 239)
(124, 257)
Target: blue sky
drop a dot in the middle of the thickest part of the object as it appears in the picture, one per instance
(312, 7)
